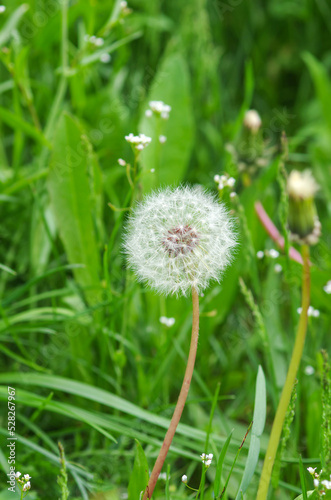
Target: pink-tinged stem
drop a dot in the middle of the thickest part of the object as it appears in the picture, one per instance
(274, 233)
(181, 399)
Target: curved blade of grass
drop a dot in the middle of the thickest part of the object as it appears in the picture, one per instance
(17, 123)
(217, 482)
(12, 22)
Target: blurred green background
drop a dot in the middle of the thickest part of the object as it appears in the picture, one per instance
(81, 341)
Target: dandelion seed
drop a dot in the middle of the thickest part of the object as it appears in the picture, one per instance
(179, 238)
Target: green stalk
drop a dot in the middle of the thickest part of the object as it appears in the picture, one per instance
(277, 427)
(181, 399)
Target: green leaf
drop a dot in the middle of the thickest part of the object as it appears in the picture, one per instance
(301, 497)
(17, 123)
(257, 430)
(172, 86)
(217, 482)
(69, 189)
(260, 405)
(322, 85)
(12, 23)
(139, 475)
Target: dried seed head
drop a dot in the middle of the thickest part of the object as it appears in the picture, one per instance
(178, 239)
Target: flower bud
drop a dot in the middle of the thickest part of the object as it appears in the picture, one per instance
(303, 221)
(252, 120)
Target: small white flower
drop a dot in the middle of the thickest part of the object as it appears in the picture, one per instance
(86, 38)
(162, 139)
(184, 478)
(167, 321)
(152, 170)
(233, 194)
(92, 39)
(27, 477)
(27, 486)
(221, 186)
(231, 182)
(123, 4)
(160, 108)
(179, 238)
(316, 483)
(260, 254)
(327, 287)
(278, 268)
(273, 253)
(105, 58)
(252, 120)
(316, 313)
(310, 370)
(311, 311)
(311, 470)
(216, 178)
(121, 162)
(2, 9)
(99, 42)
(148, 113)
(163, 476)
(326, 484)
(138, 141)
(17, 474)
(206, 459)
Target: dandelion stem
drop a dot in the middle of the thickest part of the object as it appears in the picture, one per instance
(181, 399)
(277, 427)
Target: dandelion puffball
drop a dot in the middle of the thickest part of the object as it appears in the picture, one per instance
(179, 238)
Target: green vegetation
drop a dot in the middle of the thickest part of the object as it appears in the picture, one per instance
(82, 347)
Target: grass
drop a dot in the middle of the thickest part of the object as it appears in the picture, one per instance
(81, 341)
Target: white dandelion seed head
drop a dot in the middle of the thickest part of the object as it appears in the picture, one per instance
(179, 238)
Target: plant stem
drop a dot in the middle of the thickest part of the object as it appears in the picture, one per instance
(277, 427)
(181, 399)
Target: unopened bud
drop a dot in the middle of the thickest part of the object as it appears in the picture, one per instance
(303, 221)
(252, 120)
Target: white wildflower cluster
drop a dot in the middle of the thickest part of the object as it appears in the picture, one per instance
(321, 485)
(206, 459)
(159, 109)
(327, 287)
(224, 181)
(269, 253)
(139, 142)
(23, 482)
(94, 40)
(2, 9)
(252, 121)
(167, 321)
(311, 311)
(179, 238)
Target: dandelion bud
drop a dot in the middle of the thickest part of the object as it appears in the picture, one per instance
(179, 239)
(303, 221)
(252, 121)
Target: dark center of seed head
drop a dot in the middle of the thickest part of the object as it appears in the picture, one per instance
(180, 240)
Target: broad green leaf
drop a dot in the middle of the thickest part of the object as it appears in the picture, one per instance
(172, 86)
(309, 494)
(139, 475)
(71, 198)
